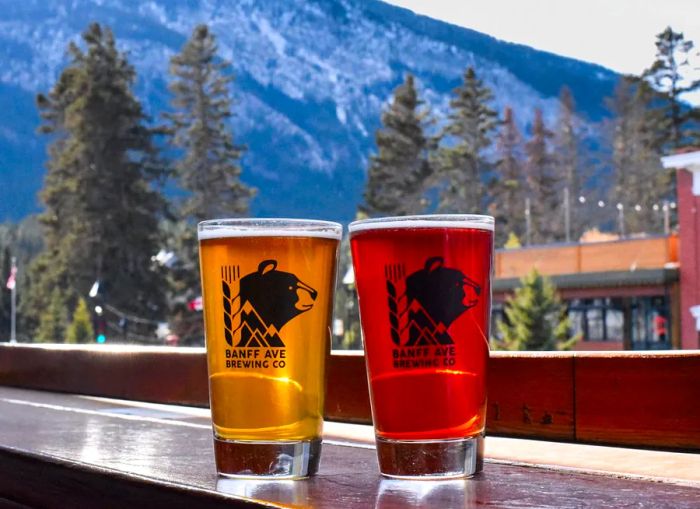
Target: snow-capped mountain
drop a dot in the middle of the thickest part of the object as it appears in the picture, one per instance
(311, 79)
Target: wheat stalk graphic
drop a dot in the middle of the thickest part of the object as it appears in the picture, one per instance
(396, 301)
(232, 310)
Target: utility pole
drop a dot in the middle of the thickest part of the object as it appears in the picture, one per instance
(528, 222)
(621, 219)
(567, 215)
(667, 217)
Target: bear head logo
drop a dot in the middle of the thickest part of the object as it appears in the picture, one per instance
(444, 293)
(435, 296)
(267, 300)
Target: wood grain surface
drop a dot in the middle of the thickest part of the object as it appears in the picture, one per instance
(61, 450)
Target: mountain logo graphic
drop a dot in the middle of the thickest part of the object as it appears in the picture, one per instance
(257, 306)
(423, 305)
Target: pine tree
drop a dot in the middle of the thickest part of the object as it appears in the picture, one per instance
(543, 184)
(209, 169)
(183, 281)
(508, 187)
(397, 174)
(101, 213)
(513, 242)
(536, 319)
(639, 180)
(27, 242)
(53, 320)
(462, 166)
(80, 329)
(5, 293)
(566, 142)
(567, 159)
(669, 76)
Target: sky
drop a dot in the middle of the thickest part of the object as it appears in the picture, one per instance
(618, 34)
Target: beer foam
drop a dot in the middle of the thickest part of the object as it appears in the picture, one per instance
(476, 222)
(272, 228)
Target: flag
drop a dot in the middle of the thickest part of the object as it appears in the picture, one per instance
(195, 304)
(11, 281)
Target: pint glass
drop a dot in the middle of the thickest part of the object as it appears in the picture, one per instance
(267, 287)
(424, 286)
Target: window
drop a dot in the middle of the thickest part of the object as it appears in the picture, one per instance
(650, 323)
(615, 322)
(497, 315)
(598, 319)
(644, 321)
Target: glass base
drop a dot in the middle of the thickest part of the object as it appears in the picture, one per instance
(430, 459)
(267, 460)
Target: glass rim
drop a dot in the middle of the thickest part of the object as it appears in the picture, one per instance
(268, 227)
(471, 221)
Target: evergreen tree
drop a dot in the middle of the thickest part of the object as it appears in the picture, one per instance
(567, 159)
(513, 242)
(462, 166)
(508, 187)
(668, 75)
(101, 213)
(639, 180)
(53, 320)
(543, 184)
(80, 329)
(29, 299)
(397, 174)
(536, 319)
(566, 142)
(209, 169)
(183, 279)
(26, 241)
(5, 293)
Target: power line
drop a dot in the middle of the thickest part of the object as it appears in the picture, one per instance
(130, 317)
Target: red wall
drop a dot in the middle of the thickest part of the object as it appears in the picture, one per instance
(689, 238)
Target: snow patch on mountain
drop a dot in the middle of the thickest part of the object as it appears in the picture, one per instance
(312, 77)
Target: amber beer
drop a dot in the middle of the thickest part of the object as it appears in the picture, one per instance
(268, 287)
(424, 284)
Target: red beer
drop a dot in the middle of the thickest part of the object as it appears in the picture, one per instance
(424, 286)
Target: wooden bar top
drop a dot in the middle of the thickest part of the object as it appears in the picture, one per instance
(63, 450)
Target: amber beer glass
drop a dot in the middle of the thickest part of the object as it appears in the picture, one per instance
(267, 286)
(424, 285)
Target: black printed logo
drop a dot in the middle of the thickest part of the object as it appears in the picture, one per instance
(423, 305)
(258, 305)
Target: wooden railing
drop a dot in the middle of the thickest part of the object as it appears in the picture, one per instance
(624, 398)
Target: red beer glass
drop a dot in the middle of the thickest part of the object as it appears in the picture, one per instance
(424, 287)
